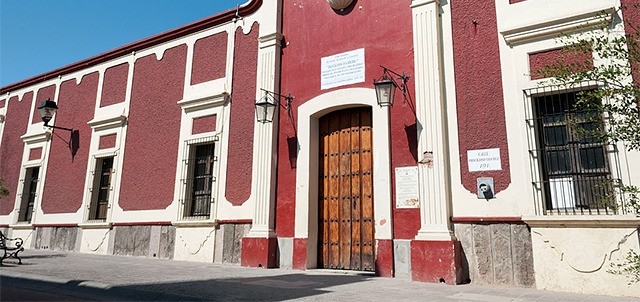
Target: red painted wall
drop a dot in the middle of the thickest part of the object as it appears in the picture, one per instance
(35, 153)
(243, 117)
(151, 150)
(107, 141)
(384, 258)
(67, 167)
(16, 121)
(631, 16)
(204, 124)
(479, 98)
(209, 58)
(114, 87)
(538, 61)
(313, 31)
(44, 93)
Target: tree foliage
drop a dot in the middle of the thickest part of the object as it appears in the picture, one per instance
(3, 189)
(617, 94)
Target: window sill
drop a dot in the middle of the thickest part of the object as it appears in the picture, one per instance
(194, 223)
(95, 225)
(22, 226)
(583, 221)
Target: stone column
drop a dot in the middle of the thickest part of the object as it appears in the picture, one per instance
(435, 249)
(265, 140)
(434, 191)
(259, 246)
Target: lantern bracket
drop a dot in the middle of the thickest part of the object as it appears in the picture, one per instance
(398, 80)
(265, 105)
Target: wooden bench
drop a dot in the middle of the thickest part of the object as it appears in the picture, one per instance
(10, 250)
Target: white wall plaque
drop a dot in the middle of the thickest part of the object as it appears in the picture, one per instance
(484, 160)
(407, 187)
(342, 69)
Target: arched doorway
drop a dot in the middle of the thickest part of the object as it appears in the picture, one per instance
(345, 190)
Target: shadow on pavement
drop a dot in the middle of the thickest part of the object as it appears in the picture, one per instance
(272, 288)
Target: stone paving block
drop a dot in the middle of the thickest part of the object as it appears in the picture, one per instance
(63, 239)
(402, 258)
(232, 241)
(483, 257)
(501, 253)
(167, 242)
(522, 256)
(132, 240)
(285, 252)
(43, 238)
(464, 233)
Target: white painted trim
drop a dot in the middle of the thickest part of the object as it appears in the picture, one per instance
(563, 26)
(306, 208)
(582, 221)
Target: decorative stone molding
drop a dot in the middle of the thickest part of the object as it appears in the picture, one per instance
(95, 225)
(552, 29)
(195, 224)
(107, 123)
(586, 221)
(203, 103)
(339, 4)
(36, 138)
(580, 267)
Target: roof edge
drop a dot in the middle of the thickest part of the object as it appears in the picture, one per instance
(169, 35)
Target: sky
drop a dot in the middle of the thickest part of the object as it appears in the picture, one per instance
(37, 36)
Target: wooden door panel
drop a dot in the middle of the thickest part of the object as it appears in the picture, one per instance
(355, 203)
(324, 199)
(334, 192)
(368, 257)
(345, 191)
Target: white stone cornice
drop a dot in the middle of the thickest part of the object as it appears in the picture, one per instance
(270, 40)
(552, 29)
(417, 3)
(190, 105)
(33, 138)
(107, 123)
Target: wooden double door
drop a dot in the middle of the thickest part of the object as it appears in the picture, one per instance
(346, 225)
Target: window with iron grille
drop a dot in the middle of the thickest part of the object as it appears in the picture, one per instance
(571, 163)
(199, 180)
(29, 191)
(101, 189)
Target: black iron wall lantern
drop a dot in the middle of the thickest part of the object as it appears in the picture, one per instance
(386, 86)
(47, 109)
(266, 105)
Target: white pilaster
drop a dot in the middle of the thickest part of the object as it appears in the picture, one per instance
(434, 189)
(265, 151)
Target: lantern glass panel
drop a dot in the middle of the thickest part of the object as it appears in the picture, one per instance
(385, 90)
(265, 109)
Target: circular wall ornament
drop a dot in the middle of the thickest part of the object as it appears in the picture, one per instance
(339, 4)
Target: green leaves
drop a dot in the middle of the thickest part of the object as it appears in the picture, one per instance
(3, 189)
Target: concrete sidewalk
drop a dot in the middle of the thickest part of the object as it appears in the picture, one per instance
(120, 278)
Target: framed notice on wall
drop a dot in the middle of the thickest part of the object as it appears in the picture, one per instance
(407, 188)
(342, 69)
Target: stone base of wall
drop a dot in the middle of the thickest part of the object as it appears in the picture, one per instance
(496, 253)
(57, 238)
(229, 242)
(153, 241)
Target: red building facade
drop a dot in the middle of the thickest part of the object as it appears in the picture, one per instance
(166, 158)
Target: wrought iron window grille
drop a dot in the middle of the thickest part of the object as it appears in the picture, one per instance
(573, 170)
